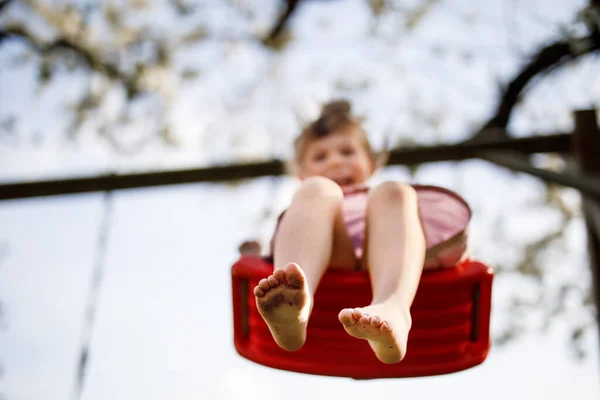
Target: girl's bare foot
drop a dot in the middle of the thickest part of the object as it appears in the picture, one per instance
(384, 325)
(284, 302)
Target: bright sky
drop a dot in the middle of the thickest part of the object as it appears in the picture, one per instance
(163, 326)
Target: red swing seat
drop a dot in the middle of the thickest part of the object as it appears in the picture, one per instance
(450, 333)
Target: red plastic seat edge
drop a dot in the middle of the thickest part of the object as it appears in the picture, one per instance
(254, 268)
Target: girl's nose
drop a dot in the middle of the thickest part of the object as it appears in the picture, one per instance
(335, 159)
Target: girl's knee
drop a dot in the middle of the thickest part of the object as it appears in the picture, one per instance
(393, 192)
(318, 187)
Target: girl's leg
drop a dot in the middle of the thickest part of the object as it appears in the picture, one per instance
(394, 255)
(311, 235)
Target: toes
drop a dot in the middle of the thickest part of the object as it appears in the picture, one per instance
(279, 274)
(362, 317)
(277, 278)
(294, 275)
(264, 284)
(273, 281)
(346, 318)
(385, 327)
(358, 315)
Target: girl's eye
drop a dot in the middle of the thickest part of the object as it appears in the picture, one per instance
(319, 157)
(348, 151)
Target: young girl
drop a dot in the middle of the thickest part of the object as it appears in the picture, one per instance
(336, 220)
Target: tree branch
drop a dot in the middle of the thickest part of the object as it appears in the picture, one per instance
(93, 61)
(231, 172)
(283, 19)
(4, 3)
(547, 58)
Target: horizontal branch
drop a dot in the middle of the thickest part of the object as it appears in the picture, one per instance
(586, 184)
(557, 143)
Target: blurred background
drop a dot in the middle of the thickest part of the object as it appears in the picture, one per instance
(125, 294)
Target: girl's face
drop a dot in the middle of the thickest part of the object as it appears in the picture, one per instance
(340, 157)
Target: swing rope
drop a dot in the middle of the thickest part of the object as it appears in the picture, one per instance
(95, 287)
(261, 227)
